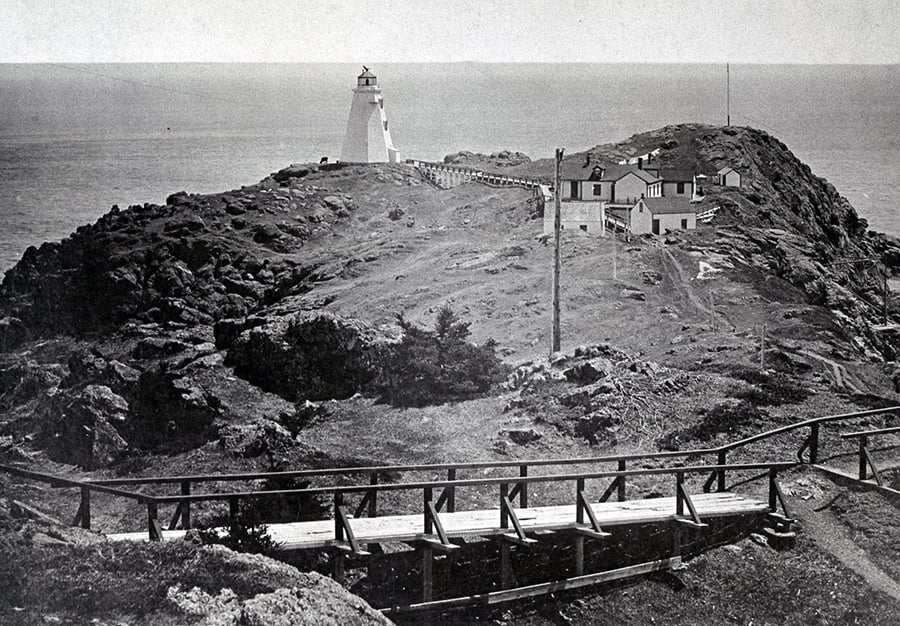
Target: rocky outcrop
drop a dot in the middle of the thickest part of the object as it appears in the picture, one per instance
(311, 355)
(82, 427)
(504, 158)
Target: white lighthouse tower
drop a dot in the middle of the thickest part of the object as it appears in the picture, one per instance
(368, 138)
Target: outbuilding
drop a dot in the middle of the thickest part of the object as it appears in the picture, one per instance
(658, 215)
(729, 177)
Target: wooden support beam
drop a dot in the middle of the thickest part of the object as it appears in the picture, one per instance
(344, 521)
(875, 473)
(506, 571)
(695, 518)
(531, 591)
(152, 522)
(579, 555)
(427, 573)
(519, 537)
(863, 470)
(621, 467)
(186, 509)
(594, 531)
(443, 539)
(613, 487)
(721, 459)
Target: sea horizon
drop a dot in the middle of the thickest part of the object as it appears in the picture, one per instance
(77, 138)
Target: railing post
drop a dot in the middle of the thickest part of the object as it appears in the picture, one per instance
(373, 509)
(339, 571)
(863, 469)
(234, 511)
(152, 522)
(523, 487)
(621, 491)
(720, 477)
(185, 506)
(427, 496)
(679, 500)
(814, 443)
(451, 495)
(773, 489)
(504, 517)
(85, 507)
(579, 511)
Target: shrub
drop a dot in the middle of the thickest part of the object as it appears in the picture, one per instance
(246, 533)
(432, 366)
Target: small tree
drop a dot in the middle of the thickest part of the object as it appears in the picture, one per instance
(434, 366)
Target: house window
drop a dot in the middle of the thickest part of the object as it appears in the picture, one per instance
(583, 227)
(598, 190)
(679, 188)
(684, 224)
(573, 189)
(640, 207)
(385, 124)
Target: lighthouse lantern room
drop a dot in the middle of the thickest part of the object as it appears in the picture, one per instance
(368, 138)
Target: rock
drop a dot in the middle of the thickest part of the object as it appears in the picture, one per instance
(25, 380)
(589, 371)
(523, 436)
(13, 333)
(334, 203)
(256, 438)
(312, 355)
(634, 294)
(158, 347)
(651, 277)
(81, 427)
(321, 602)
(598, 426)
(396, 213)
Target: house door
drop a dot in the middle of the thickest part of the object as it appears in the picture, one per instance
(655, 227)
(573, 189)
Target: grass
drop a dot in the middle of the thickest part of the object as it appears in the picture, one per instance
(123, 578)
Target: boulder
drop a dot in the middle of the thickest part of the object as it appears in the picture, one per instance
(81, 426)
(589, 371)
(256, 438)
(311, 355)
(320, 602)
(523, 436)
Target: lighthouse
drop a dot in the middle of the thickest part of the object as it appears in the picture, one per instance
(368, 138)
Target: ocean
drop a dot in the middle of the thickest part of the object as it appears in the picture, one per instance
(76, 139)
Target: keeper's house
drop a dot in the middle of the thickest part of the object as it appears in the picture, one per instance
(658, 215)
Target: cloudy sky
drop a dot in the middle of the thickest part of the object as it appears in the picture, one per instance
(749, 31)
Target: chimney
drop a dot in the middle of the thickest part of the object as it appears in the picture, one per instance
(640, 163)
(587, 159)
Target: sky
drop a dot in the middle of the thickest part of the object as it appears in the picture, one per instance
(596, 31)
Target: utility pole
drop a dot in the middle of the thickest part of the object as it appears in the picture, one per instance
(884, 297)
(728, 94)
(557, 228)
(762, 348)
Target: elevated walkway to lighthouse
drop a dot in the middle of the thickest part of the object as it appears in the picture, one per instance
(446, 176)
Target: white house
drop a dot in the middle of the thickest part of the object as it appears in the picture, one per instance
(368, 138)
(658, 215)
(729, 177)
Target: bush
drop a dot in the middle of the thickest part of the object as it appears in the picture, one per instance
(246, 533)
(429, 367)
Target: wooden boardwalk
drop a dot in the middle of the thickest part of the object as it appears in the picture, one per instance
(319, 534)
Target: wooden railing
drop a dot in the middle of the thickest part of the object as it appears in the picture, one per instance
(865, 456)
(368, 506)
(469, 174)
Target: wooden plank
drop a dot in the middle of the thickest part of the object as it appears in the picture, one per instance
(400, 528)
(866, 433)
(506, 595)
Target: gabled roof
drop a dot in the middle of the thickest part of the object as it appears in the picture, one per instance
(727, 169)
(672, 175)
(668, 205)
(576, 169)
(643, 175)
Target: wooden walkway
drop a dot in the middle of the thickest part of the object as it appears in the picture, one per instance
(319, 534)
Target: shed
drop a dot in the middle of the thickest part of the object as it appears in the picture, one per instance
(729, 177)
(658, 215)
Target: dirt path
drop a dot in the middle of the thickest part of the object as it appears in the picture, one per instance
(831, 537)
(838, 371)
(683, 284)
